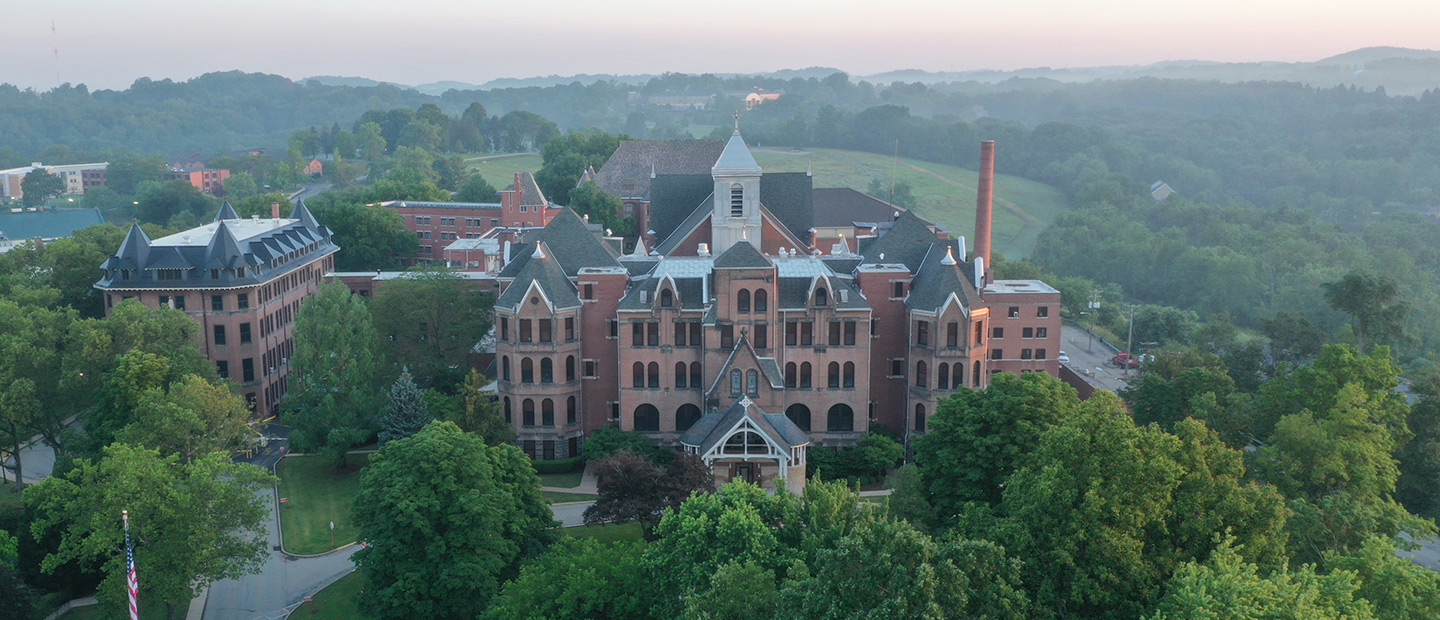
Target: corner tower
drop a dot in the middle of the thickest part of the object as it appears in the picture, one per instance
(735, 215)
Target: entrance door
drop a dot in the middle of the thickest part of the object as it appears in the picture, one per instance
(747, 472)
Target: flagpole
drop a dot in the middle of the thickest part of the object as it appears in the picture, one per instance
(132, 588)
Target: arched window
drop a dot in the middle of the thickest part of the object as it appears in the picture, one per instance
(742, 301)
(800, 415)
(762, 300)
(638, 375)
(975, 380)
(527, 370)
(840, 418)
(921, 380)
(822, 296)
(570, 411)
(570, 368)
(527, 413)
(805, 375)
(647, 419)
(686, 416)
(790, 375)
(507, 410)
(942, 376)
(834, 375)
(752, 383)
(505, 368)
(746, 442)
(547, 370)
(667, 298)
(654, 375)
(737, 200)
(957, 378)
(696, 381)
(919, 418)
(735, 385)
(680, 372)
(952, 334)
(849, 381)
(547, 412)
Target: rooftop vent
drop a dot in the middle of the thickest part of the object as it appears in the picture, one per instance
(644, 297)
(703, 250)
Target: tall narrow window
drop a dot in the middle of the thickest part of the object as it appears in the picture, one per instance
(570, 368)
(952, 334)
(680, 374)
(547, 370)
(570, 412)
(667, 298)
(805, 375)
(695, 379)
(849, 375)
(737, 200)
(822, 297)
(742, 301)
(547, 412)
(762, 300)
(790, 375)
(527, 370)
(834, 375)
(735, 382)
(638, 375)
(653, 372)
(752, 383)
(920, 378)
(942, 376)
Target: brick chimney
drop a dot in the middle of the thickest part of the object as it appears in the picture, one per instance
(984, 197)
(275, 210)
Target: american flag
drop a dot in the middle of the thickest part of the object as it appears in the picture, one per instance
(131, 586)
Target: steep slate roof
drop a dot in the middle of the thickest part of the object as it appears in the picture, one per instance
(627, 172)
(573, 244)
(545, 271)
(794, 292)
(842, 206)
(222, 244)
(47, 224)
(742, 255)
(935, 281)
(226, 212)
(711, 428)
(689, 291)
(530, 194)
(907, 242)
(680, 202)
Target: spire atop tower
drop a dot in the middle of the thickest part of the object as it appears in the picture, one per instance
(737, 121)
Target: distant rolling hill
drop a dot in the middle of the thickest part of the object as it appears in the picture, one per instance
(946, 194)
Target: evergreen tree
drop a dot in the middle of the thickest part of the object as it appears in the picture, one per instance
(406, 413)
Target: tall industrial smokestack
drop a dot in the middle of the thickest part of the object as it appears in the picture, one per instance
(984, 197)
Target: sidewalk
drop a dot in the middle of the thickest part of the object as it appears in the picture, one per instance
(587, 484)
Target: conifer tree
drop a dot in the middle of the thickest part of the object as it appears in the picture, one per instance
(406, 413)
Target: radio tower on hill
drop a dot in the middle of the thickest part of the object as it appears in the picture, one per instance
(55, 47)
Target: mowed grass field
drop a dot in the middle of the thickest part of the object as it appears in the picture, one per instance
(499, 169)
(317, 495)
(944, 194)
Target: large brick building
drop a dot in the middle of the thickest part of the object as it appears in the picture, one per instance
(243, 280)
(743, 338)
(438, 225)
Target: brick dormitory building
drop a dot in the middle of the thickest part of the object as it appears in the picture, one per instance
(743, 336)
(242, 279)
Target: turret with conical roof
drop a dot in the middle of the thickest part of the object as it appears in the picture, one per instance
(135, 250)
(226, 212)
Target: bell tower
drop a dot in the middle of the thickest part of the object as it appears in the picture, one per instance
(735, 215)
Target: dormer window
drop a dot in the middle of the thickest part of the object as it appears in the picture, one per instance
(737, 200)
(667, 298)
(822, 297)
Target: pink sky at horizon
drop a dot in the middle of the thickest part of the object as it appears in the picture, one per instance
(110, 44)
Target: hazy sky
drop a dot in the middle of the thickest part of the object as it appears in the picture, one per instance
(109, 43)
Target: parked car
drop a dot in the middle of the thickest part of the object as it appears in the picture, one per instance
(1123, 359)
(1064, 358)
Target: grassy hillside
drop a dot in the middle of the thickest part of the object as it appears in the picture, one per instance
(499, 170)
(945, 194)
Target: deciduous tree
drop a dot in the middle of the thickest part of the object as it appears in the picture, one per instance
(39, 185)
(335, 374)
(190, 418)
(579, 579)
(429, 321)
(445, 520)
(1373, 302)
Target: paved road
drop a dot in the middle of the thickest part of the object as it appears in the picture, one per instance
(282, 583)
(310, 190)
(37, 458)
(1094, 357)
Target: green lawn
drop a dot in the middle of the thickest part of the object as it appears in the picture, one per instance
(316, 496)
(560, 498)
(499, 170)
(609, 532)
(338, 601)
(148, 611)
(567, 480)
(944, 194)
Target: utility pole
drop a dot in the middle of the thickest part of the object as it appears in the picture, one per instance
(1094, 309)
(1130, 342)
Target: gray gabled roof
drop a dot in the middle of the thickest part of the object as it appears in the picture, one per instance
(710, 429)
(226, 212)
(545, 271)
(574, 246)
(690, 293)
(906, 243)
(742, 255)
(842, 206)
(627, 171)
